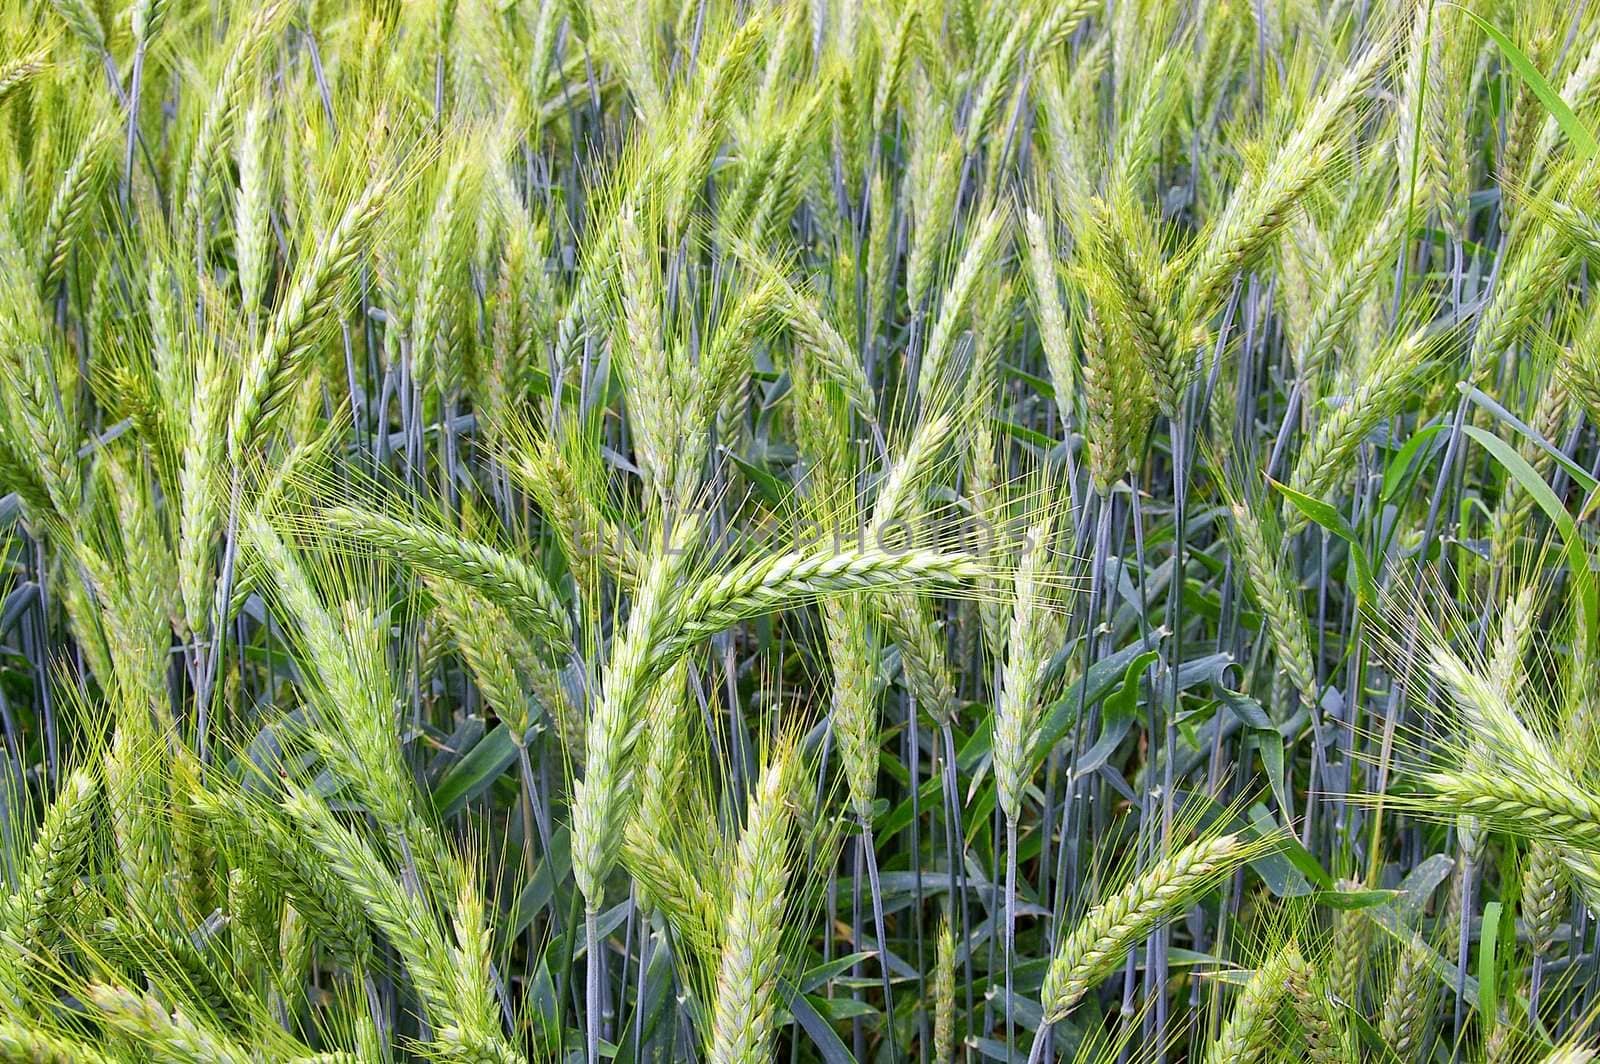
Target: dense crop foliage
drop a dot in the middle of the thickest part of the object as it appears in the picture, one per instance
(809, 530)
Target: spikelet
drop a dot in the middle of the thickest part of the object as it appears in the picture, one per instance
(892, 67)
(439, 266)
(1577, 368)
(1044, 294)
(908, 621)
(474, 1030)
(24, 1044)
(1136, 153)
(991, 87)
(1514, 800)
(556, 478)
(1445, 120)
(768, 583)
(518, 315)
(254, 919)
(252, 209)
(1074, 164)
(17, 73)
(824, 347)
(1371, 396)
(989, 504)
(1549, 420)
(642, 349)
(201, 489)
(294, 953)
(46, 424)
(284, 858)
(480, 629)
(982, 246)
(1519, 781)
(666, 844)
(1518, 620)
(134, 787)
(83, 22)
(404, 917)
(880, 252)
(1116, 387)
(935, 170)
(1524, 115)
(899, 500)
(1341, 294)
(1421, 162)
(1260, 204)
(147, 17)
(1536, 266)
(855, 706)
(711, 389)
(1541, 896)
(352, 702)
(780, 192)
(75, 196)
(221, 114)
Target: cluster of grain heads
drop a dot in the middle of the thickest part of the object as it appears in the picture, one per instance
(544, 530)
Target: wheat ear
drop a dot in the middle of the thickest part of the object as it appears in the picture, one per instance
(944, 995)
(1035, 635)
(599, 803)
(909, 621)
(171, 1035)
(273, 369)
(1408, 1007)
(746, 995)
(1521, 802)
(765, 584)
(1243, 1039)
(507, 580)
(1098, 943)
(404, 917)
(1279, 600)
(54, 861)
(1327, 1039)
(26, 1044)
